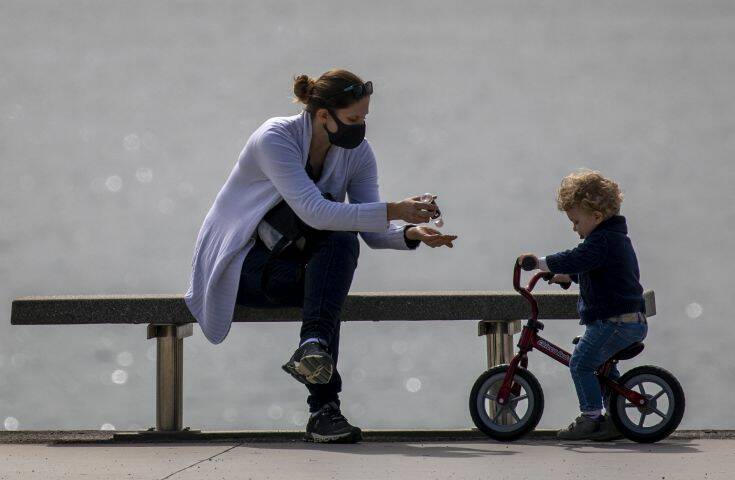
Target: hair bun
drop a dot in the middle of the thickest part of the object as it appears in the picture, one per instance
(303, 86)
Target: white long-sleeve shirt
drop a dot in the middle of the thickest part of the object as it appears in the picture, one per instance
(271, 167)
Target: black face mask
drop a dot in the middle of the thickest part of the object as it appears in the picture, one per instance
(346, 136)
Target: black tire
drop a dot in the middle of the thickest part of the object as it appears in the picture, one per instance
(480, 404)
(670, 387)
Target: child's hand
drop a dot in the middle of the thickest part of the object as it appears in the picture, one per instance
(560, 278)
(528, 255)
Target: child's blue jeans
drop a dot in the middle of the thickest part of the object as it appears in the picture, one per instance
(601, 340)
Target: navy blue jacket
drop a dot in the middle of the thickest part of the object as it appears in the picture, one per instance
(606, 268)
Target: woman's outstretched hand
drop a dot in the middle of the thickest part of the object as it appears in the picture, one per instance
(431, 237)
(411, 210)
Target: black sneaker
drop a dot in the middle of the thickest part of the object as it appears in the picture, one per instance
(310, 364)
(328, 425)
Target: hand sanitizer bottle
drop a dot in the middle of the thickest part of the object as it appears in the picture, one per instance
(437, 217)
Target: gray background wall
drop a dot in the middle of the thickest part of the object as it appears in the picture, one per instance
(120, 121)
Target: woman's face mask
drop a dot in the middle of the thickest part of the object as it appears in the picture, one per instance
(346, 136)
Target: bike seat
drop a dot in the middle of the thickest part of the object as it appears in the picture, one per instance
(629, 352)
(625, 354)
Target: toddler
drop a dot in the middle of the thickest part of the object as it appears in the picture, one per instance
(611, 304)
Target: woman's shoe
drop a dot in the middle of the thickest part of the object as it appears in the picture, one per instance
(310, 364)
(328, 425)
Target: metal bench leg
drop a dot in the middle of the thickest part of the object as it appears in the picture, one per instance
(169, 374)
(499, 336)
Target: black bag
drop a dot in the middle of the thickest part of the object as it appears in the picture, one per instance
(281, 221)
(284, 229)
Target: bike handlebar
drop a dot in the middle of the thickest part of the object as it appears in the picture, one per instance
(526, 292)
(528, 264)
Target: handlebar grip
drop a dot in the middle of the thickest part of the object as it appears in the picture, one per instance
(529, 263)
(548, 276)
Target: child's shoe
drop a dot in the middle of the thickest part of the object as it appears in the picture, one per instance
(608, 431)
(582, 428)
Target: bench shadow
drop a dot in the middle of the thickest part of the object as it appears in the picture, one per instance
(415, 449)
(110, 444)
(442, 450)
(439, 449)
(623, 446)
(448, 450)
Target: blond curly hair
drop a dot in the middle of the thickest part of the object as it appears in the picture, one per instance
(590, 191)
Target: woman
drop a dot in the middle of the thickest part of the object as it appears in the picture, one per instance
(299, 159)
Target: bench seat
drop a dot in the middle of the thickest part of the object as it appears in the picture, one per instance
(370, 306)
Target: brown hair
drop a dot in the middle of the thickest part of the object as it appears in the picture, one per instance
(589, 190)
(326, 91)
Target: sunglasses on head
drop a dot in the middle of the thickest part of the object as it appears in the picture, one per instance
(358, 90)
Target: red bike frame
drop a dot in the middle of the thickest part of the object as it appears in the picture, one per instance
(530, 339)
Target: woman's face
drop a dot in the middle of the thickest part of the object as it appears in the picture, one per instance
(354, 114)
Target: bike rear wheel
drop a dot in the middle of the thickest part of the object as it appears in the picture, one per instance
(665, 407)
(519, 416)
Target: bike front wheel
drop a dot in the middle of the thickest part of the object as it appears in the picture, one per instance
(663, 411)
(519, 416)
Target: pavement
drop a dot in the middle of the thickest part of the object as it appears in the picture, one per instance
(71, 456)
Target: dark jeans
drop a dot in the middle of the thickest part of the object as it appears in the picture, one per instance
(320, 286)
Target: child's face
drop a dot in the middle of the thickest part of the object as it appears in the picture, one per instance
(583, 221)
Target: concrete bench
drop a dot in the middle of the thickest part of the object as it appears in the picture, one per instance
(169, 322)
